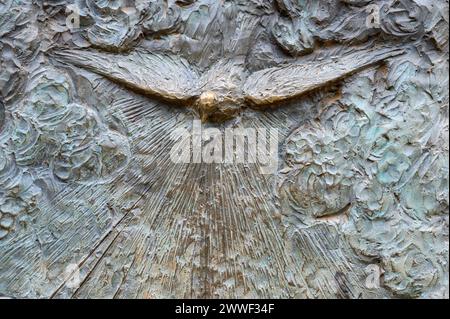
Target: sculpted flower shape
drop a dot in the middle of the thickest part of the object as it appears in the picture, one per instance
(402, 18)
(18, 43)
(68, 137)
(28, 143)
(48, 97)
(318, 192)
(18, 194)
(163, 17)
(89, 152)
(372, 200)
(320, 179)
(116, 25)
(111, 25)
(293, 35)
(409, 272)
(392, 165)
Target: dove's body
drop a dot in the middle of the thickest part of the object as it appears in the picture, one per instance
(224, 89)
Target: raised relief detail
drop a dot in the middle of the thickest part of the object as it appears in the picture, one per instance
(346, 101)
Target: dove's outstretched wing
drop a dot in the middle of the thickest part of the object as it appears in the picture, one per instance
(289, 81)
(162, 76)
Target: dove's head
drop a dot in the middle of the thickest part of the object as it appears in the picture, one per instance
(212, 106)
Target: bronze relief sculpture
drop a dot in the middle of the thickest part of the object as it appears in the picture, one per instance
(95, 96)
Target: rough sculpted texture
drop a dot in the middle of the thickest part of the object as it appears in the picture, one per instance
(92, 204)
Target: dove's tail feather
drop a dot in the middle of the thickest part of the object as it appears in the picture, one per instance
(288, 81)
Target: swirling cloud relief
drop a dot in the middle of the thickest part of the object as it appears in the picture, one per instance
(355, 91)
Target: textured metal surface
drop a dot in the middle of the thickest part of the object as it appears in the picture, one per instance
(92, 204)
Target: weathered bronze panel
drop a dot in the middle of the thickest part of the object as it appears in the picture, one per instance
(224, 149)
